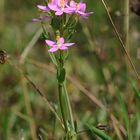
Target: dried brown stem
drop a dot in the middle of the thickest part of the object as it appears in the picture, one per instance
(120, 40)
(30, 46)
(28, 108)
(38, 91)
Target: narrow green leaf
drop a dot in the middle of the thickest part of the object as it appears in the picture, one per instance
(99, 133)
(125, 115)
(136, 90)
(52, 56)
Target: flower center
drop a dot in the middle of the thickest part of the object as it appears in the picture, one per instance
(76, 5)
(57, 38)
(58, 41)
(62, 3)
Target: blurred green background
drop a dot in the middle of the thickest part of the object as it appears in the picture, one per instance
(96, 65)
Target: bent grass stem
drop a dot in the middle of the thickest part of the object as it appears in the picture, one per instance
(121, 42)
(69, 106)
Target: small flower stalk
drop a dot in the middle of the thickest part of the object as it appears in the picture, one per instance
(62, 16)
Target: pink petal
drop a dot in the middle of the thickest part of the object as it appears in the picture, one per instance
(61, 40)
(66, 1)
(63, 48)
(58, 13)
(43, 8)
(68, 10)
(72, 4)
(54, 2)
(53, 49)
(81, 13)
(68, 44)
(50, 43)
(84, 14)
(53, 7)
(82, 7)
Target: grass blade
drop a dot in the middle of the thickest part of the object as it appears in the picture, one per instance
(99, 133)
(125, 116)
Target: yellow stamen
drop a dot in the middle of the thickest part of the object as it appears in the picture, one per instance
(58, 41)
(62, 2)
(57, 38)
(76, 5)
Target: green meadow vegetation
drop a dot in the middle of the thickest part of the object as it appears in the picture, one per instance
(102, 79)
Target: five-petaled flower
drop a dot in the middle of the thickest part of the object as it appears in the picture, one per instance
(58, 45)
(59, 6)
(78, 8)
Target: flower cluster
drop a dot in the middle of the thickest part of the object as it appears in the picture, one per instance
(60, 7)
(64, 6)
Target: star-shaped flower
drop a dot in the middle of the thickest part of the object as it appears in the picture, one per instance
(78, 8)
(59, 6)
(58, 45)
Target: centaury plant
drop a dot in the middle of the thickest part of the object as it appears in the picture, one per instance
(63, 16)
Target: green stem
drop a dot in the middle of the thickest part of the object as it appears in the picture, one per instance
(64, 100)
(60, 89)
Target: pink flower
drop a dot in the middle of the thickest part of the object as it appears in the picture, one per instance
(59, 6)
(78, 8)
(58, 45)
